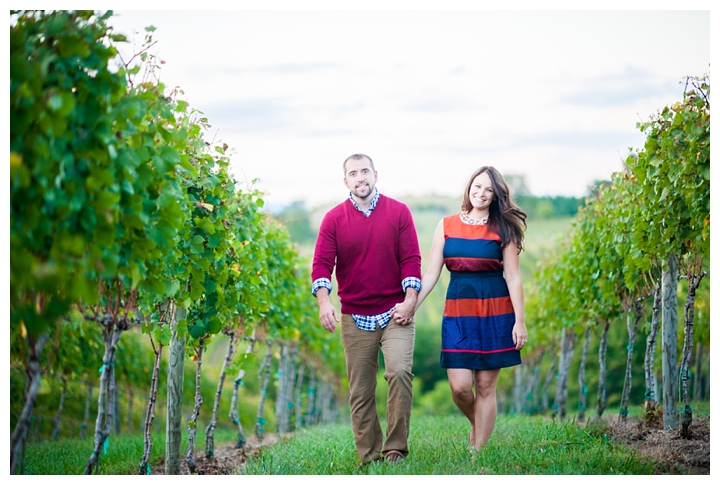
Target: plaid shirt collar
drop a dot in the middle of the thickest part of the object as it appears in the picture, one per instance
(373, 203)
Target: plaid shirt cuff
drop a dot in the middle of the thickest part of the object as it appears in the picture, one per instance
(321, 283)
(412, 282)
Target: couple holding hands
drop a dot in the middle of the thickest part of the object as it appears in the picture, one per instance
(371, 243)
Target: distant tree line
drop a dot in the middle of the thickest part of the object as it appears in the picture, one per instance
(547, 207)
(296, 216)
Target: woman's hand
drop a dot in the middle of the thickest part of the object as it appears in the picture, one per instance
(520, 335)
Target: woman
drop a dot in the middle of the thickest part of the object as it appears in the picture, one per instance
(483, 326)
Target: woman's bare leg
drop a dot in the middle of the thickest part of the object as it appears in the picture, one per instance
(461, 385)
(485, 405)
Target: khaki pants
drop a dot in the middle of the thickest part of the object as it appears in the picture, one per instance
(361, 356)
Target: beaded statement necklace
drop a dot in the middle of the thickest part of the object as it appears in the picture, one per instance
(473, 222)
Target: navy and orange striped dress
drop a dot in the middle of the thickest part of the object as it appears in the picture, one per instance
(479, 317)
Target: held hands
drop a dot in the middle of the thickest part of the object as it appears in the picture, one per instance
(519, 335)
(404, 313)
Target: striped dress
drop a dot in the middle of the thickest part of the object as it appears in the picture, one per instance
(478, 318)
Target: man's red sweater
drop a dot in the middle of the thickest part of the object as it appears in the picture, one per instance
(374, 254)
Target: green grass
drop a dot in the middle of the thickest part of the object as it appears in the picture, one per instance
(520, 445)
(122, 456)
(438, 446)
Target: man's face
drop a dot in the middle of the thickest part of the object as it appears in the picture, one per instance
(360, 178)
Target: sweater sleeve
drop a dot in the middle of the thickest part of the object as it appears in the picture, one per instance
(410, 266)
(325, 250)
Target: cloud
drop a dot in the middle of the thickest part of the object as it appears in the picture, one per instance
(250, 115)
(294, 69)
(587, 141)
(619, 96)
(622, 88)
(590, 141)
(429, 94)
(442, 105)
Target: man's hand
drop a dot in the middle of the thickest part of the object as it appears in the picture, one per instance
(404, 312)
(328, 314)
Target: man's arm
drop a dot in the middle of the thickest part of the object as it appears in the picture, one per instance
(409, 268)
(409, 248)
(323, 265)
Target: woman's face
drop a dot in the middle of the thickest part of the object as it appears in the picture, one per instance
(481, 192)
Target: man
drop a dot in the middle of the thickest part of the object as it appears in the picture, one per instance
(371, 242)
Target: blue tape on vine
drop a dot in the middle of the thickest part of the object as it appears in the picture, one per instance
(106, 443)
(290, 405)
(148, 470)
(624, 412)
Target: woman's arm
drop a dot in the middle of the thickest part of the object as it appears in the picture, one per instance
(434, 266)
(511, 265)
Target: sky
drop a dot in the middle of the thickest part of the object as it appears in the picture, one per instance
(429, 94)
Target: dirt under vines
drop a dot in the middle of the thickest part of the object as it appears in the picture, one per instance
(670, 454)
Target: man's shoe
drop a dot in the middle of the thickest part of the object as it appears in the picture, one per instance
(393, 457)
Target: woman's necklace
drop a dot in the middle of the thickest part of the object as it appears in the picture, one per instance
(473, 222)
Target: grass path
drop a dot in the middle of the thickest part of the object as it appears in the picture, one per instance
(519, 445)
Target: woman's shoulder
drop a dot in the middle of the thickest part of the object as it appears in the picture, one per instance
(451, 220)
(451, 217)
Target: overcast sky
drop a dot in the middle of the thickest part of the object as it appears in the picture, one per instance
(430, 95)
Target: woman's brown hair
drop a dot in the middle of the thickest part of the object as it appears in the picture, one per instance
(506, 218)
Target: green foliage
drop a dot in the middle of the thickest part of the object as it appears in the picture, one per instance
(296, 217)
(613, 253)
(64, 155)
(673, 174)
(121, 210)
(547, 207)
(436, 402)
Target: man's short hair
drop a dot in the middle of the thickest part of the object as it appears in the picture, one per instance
(357, 156)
